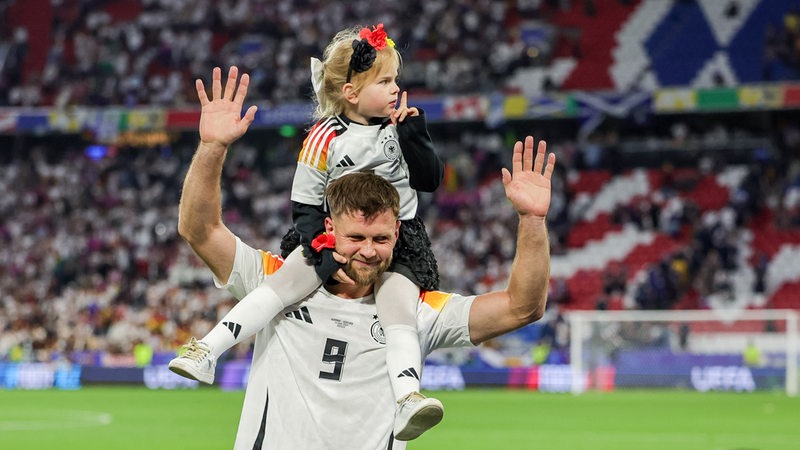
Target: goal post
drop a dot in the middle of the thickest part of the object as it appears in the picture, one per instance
(738, 350)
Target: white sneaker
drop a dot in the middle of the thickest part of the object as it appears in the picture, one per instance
(196, 363)
(415, 415)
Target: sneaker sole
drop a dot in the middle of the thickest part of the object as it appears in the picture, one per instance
(425, 419)
(186, 372)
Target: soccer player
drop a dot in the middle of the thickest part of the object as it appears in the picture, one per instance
(318, 376)
(363, 124)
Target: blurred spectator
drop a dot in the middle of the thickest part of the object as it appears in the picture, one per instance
(751, 355)
(615, 279)
(540, 353)
(143, 354)
(559, 292)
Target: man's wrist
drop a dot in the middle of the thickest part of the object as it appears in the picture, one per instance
(532, 220)
(213, 146)
(534, 224)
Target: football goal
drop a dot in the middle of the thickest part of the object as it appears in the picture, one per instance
(736, 350)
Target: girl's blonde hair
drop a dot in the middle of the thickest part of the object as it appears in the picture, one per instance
(330, 99)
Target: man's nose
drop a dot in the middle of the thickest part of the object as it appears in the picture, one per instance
(368, 249)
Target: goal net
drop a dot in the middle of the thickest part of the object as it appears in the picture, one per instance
(737, 350)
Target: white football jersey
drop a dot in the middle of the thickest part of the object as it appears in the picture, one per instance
(318, 379)
(335, 147)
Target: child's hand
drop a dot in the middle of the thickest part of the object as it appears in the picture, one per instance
(340, 276)
(403, 110)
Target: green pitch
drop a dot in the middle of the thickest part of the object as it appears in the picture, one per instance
(137, 418)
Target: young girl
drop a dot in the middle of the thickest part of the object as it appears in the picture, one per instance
(361, 127)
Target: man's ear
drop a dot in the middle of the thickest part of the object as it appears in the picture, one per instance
(350, 94)
(397, 231)
(328, 225)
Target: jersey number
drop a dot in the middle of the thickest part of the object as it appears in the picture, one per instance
(335, 352)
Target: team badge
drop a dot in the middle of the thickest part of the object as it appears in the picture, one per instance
(377, 333)
(391, 148)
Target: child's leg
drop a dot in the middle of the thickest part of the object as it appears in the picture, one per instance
(291, 283)
(396, 299)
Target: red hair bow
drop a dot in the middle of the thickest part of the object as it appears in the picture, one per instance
(324, 240)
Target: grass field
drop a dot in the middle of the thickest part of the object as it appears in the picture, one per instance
(137, 418)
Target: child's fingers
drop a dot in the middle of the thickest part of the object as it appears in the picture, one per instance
(341, 277)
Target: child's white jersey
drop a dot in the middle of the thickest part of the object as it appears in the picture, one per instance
(318, 379)
(335, 147)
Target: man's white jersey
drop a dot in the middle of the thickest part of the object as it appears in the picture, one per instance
(318, 379)
(335, 147)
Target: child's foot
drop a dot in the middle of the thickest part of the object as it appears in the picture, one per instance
(196, 363)
(415, 415)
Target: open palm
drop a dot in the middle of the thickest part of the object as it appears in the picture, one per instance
(528, 184)
(221, 120)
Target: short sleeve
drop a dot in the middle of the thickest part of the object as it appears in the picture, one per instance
(250, 266)
(443, 320)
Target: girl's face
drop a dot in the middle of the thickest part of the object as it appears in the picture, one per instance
(378, 98)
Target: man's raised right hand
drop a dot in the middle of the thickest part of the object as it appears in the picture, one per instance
(221, 120)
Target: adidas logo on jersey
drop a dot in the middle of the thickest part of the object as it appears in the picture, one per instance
(234, 327)
(410, 372)
(345, 162)
(300, 314)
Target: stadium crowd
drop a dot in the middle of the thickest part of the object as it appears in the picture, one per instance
(91, 260)
(100, 55)
(146, 52)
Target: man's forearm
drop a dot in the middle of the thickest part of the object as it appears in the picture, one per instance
(525, 298)
(530, 271)
(200, 212)
(201, 198)
(527, 186)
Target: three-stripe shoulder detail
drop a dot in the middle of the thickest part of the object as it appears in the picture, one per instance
(315, 146)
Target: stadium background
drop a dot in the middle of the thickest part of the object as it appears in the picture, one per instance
(675, 124)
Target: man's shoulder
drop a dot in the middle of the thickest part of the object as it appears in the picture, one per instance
(271, 262)
(443, 319)
(435, 299)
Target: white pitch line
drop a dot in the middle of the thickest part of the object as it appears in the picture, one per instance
(55, 420)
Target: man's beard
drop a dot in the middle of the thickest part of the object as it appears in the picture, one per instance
(366, 277)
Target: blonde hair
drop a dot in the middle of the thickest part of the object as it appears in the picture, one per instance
(330, 99)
